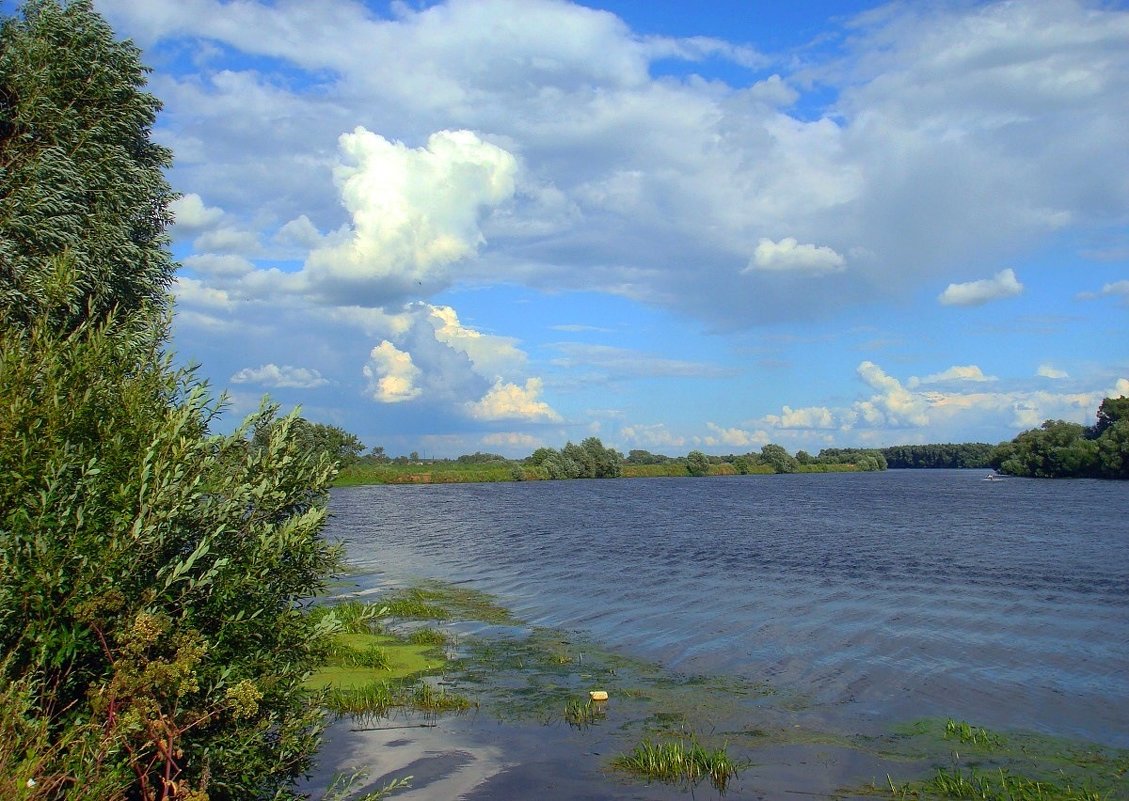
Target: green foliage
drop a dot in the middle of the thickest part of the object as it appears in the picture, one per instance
(948, 455)
(589, 459)
(337, 444)
(778, 459)
(997, 785)
(150, 574)
(79, 175)
(1059, 449)
(697, 464)
(866, 459)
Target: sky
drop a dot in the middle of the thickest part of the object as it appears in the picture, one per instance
(496, 225)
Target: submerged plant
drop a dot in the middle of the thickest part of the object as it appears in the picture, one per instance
(679, 761)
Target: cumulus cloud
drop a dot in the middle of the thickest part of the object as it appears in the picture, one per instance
(511, 439)
(812, 417)
(976, 293)
(955, 373)
(285, 376)
(1050, 371)
(733, 437)
(414, 211)
(191, 214)
(506, 401)
(655, 435)
(391, 374)
(894, 405)
(190, 292)
(788, 255)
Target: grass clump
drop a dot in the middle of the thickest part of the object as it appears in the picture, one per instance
(427, 637)
(677, 761)
(972, 735)
(582, 714)
(996, 786)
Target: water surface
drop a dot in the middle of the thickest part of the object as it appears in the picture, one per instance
(878, 598)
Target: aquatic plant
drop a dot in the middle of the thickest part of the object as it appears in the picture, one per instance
(427, 637)
(997, 786)
(428, 698)
(582, 714)
(679, 761)
(972, 735)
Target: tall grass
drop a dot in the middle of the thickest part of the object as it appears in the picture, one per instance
(679, 761)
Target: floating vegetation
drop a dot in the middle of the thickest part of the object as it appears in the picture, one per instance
(972, 735)
(1019, 767)
(427, 637)
(999, 785)
(428, 698)
(437, 601)
(678, 761)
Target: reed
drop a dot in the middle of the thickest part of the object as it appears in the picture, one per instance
(679, 761)
(427, 637)
(428, 698)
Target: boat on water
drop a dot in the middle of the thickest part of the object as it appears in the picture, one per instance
(993, 477)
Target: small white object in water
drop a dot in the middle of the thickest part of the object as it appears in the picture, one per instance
(598, 695)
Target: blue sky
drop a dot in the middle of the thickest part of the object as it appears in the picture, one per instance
(501, 224)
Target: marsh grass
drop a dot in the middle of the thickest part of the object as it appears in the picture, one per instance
(679, 761)
(427, 636)
(378, 698)
(999, 785)
(972, 735)
(582, 714)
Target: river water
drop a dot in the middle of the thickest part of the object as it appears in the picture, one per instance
(879, 597)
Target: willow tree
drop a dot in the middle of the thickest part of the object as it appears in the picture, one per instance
(79, 172)
(152, 574)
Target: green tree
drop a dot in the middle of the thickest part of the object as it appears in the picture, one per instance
(778, 459)
(337, 444)
(79, 174)
(151, 575)
(1111, 411)
(697, 464)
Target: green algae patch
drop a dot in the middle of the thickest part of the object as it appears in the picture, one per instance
(970, 761)
(349, 663)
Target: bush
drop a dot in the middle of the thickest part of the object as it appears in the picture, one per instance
(151, 638)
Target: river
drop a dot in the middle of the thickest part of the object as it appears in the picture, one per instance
(877, 597)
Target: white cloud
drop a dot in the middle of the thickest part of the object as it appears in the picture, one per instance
(391, 374)
(1118, 289)
(191, 214)
(190, 292)
(788, 255)
(970, 372)
(817, 417)
(286, 376)
(975, 293)
(733, 437)
(219, 265)
(656, 435)
(511, 439)
(414, 211)
(1050, 371)
(506, 401)
(894, 405)
(227, 239)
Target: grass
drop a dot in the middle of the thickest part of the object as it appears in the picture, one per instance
(377, 698)
(999, 785)
(972, 735)
(678, 761)
(582, 714)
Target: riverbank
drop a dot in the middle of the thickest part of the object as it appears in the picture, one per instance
(491, 472)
